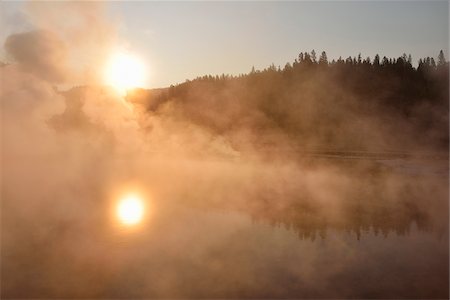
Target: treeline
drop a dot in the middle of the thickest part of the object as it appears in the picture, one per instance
(352, 103)
(310, 59)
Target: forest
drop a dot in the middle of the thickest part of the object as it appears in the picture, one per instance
(352, 104)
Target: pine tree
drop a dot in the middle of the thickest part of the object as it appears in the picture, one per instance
(313, 56)
(404, 58)
(307, 58)
(323, 60)
(441, 59)
(432, 63)
(376, 60)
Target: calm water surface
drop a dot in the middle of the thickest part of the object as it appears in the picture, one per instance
(385, 239)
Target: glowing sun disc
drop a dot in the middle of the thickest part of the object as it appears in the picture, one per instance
(124, 71)
(130, 210)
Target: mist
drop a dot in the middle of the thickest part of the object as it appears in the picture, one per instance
(279, 183)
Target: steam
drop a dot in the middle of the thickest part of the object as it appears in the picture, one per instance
(39, 52)
(64, 150)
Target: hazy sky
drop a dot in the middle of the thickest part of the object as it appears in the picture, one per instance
(182, 40)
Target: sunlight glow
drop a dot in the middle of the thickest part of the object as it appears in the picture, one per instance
(130, 209)
(124, 71)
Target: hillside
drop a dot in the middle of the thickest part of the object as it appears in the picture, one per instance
(345, 105)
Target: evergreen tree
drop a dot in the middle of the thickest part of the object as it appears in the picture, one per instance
(287, 67)
(404, 58)
(441, 59)
(420, 66)
(432, 63)
(307, 58)
(376, 60)
(323, 60)
(313, 56)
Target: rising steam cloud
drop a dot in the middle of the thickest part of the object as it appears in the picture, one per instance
(39, 52)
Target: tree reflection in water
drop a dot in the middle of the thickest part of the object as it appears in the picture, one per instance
(383, 202)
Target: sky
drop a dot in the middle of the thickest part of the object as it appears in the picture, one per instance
(183, 40)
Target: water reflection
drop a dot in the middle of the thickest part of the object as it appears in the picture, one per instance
(356, 217)
(382, 203)
(130, 209)
(318, 236)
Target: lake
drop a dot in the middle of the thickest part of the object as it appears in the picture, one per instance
(243, 230)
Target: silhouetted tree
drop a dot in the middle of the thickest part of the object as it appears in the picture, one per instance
(376, 61)
(432, 62)
(313, 56)
(323, 60)
(404, 58)
(441, 58)
(307, 58)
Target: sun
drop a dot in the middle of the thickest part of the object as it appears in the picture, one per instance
(130, 209)
(124, 71)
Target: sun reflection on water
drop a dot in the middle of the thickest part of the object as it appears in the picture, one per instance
(130, 209)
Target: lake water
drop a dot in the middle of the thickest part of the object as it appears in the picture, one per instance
(266, 233)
